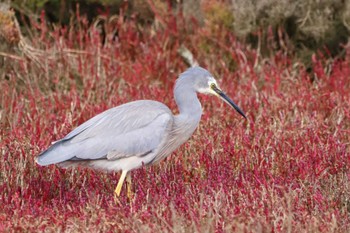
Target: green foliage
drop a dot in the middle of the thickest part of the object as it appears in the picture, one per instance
(219, 15)
(33, 5)
(58, 11)
(297, 26)
(104, 2)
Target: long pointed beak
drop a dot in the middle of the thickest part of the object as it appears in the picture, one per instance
(225, 98)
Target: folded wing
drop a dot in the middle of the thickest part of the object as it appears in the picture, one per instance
(133, 129)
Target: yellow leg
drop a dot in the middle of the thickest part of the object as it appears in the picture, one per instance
(128, 180)
(120, 183)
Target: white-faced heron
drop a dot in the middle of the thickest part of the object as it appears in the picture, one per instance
(138, 133)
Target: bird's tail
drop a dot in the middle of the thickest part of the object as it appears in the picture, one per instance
(57, 153)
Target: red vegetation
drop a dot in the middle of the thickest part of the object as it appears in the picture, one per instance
(286, 168)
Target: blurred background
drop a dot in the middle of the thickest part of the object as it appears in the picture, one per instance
(300, 27)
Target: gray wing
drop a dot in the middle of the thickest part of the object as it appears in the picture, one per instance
(132, 129)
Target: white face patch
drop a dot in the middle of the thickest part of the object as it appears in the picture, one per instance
(207, 89)
(212, 81)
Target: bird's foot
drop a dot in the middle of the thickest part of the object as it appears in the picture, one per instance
(116, 199)
(130, 193)
(118, 189)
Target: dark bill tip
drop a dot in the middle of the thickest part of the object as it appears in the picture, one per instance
(228, 100)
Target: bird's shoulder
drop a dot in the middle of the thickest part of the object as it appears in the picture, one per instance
(121, 119)
(137, 113)
(136, 107)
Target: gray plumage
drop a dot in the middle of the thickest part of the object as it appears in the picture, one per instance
(137, 133)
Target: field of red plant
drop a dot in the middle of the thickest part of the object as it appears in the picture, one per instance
(285, 169)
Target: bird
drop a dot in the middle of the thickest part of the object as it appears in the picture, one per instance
(138, 133)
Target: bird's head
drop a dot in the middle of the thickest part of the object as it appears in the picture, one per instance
(204, 82)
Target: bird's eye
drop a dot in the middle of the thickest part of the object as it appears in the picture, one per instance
(212, 85)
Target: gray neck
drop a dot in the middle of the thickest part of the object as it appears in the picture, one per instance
(187, 102)
(190, 113)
